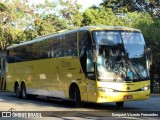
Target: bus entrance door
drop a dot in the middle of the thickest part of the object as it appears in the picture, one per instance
(90, 77)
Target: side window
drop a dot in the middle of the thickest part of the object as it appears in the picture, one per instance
(86, 54)
(55, 50)
(29, 52)
(44, 49)
(63, 46)
(69, 45)
(19, 54)
(10, 56)
(90, 65)
(35, 51)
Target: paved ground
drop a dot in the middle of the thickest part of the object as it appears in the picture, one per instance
(67, 111)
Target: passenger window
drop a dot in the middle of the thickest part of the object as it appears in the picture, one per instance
(69, 45)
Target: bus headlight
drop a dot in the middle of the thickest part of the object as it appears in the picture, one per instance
(102, 89)
(145, 88)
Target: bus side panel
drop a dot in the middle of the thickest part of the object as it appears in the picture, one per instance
(10, 77)
(72, 73)
(50, 77)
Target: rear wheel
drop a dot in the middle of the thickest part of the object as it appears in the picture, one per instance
(17, 91)
(120, 104)
(24, 93)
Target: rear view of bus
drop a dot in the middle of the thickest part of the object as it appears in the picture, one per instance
(122, 65)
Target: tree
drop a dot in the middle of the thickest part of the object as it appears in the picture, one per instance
(23, 22)
(14, 17)
(60, 15)
(70, 12)
(3, 10)
(42, 26)
(100, 16)
(124, 6)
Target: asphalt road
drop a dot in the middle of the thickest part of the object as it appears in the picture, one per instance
(65, 110)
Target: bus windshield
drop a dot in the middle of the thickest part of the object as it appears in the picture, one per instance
(121, 56)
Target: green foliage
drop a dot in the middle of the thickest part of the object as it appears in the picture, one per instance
(2, 7)
(20, 21)
(100, 16)
(152, 7)
(40, 27)
(70, 12)
(13, 18)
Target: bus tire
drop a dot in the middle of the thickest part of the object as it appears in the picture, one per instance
(23, 91)
(75, 95)
(78, 101)
(18, 91)
(119, 104)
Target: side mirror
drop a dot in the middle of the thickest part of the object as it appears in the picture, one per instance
(149, 56)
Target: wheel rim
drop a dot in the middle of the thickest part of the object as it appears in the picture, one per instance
(17, 91)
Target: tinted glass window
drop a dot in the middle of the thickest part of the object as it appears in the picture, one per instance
(69, 45)
(59, 46)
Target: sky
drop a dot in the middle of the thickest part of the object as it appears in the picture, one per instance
(85, 3)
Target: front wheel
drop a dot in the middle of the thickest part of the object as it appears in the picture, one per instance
(78, 98)
(119, 104)
(75, 96)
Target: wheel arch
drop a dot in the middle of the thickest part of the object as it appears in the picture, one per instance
(15, 85)
(23, 82)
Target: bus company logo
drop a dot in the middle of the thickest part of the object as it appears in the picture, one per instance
(128, 88)
(8, 113)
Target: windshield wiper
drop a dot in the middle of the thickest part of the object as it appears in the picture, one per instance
(134, 69)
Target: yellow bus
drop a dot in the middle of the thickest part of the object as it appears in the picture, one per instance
(88, 64)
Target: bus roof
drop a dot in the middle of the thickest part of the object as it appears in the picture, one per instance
(63, 32)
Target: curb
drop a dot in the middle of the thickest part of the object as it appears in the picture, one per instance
(4, 91)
